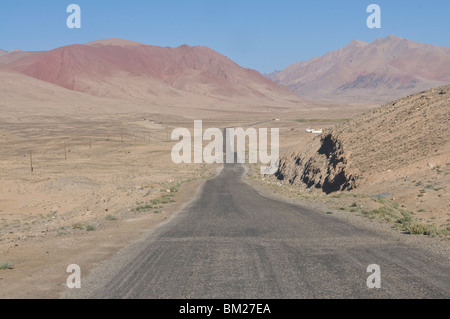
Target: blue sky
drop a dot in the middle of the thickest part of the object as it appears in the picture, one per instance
(262, 35)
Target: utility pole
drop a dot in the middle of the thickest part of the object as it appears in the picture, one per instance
(31, 161)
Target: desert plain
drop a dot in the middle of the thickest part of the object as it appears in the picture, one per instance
(85, 152)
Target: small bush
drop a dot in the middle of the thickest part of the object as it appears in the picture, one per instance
(422, 229)
(6, 265)
(90, 228)
(174, 189)
(78, 226)
(143, 208)
(111, 217)
(405, 220)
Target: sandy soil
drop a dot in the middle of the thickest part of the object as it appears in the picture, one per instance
(99, 185)
(117, 181)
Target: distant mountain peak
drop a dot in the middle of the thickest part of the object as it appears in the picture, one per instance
(393, 37)
(356, 42)
(383, 70)
(114, 41)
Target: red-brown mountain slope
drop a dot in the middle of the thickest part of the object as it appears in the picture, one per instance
(122, 68)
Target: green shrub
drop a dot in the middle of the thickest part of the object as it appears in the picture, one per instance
(6, 265)
(144, 208)
(422, 229)
(78, 226)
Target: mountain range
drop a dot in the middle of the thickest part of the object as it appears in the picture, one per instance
(125, 69)
(383, 70)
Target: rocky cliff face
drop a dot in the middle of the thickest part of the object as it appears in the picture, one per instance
(385, 146)
(323, 164)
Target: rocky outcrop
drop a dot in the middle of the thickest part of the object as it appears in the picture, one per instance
(322, 164)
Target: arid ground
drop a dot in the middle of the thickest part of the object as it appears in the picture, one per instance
(85, 152)
(97, 184)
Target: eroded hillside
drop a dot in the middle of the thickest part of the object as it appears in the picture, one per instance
(400, 150)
